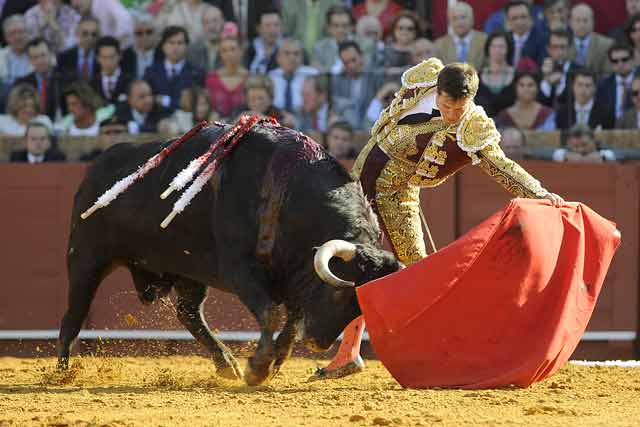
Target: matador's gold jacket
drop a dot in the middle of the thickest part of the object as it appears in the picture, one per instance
(412, 147)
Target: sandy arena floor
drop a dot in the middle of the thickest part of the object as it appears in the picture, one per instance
(181, 391)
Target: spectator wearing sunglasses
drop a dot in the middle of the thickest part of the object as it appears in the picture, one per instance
(143, 53)
(615, 90)
(112, 16)
(630, 119)
(79, 62)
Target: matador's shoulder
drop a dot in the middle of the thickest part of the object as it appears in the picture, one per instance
(425, 74)
(476, 131)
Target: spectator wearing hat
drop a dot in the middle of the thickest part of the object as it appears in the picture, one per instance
(111, 131)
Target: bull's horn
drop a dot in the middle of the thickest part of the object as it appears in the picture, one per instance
(340, 248)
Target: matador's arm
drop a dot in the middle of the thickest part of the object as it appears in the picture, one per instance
(478, 136)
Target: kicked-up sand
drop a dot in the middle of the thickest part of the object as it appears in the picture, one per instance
(183, 391)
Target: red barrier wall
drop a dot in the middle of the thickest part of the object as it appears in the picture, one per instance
(34, 220)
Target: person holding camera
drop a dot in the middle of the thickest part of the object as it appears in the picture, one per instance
(556, 68)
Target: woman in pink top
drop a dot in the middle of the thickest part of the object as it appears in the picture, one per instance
(225, 84)
(384, 10)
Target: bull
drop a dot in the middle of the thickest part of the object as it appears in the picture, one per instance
(251, 231)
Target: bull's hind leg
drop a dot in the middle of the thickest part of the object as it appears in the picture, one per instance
(191, 296)
(84, 278)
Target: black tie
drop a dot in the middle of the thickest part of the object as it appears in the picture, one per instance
(288, 96)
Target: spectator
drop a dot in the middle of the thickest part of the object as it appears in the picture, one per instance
(369, 38)
(629, 119)
(512, 142)
(169, 77)
(137, 58)
(113, 19)
(556, 16)
(289, 77)
(581, 108)
(353, 89)
(405, 29)
(528, 41)
(384, 10)
(245, 14)
(14, 7)
(185, 14)
(262, 53)
(632, 31)
(314, 116)
(204, 53)
(86, 111)
(38, 142)
(339, 28)
(112, 131)
(582, 147)
(497, 21)
(340, 141)
(112, 83)
(195, 106)
(140, 113)
(42, 78)
(463, 43)
(79, 62)
(14, 61)
(53, 21)
(259, 96)
(620, 33)
(496, 90)
(615, 90)
(556, 69)
(226, 84)
(383, 98)
(23, 105)
(304, 20)
(527, 112)
(423, 49)
(589, 48)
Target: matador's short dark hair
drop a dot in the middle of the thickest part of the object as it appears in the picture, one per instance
(459, 80)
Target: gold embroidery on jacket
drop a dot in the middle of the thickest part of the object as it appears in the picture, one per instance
(509, 174)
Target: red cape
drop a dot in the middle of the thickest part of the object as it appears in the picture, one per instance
(507, 303)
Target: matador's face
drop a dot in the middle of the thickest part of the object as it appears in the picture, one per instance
(452, 109)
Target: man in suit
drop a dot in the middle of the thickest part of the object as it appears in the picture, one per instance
(556, 70)
(38, 143)
(528, 41)
(581, 107)
(43, 78)
(339, 28)
(353, 89)
(589, 49)
(289, 77)
(140, 113)
(174, 74)
(112, 82)
(463, 43)
(629, 119)
(143, 53)
(204, 52)
(262, 52)
(314, 116)
(79, 62)
(615, 90)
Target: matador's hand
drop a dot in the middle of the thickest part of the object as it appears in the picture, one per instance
(556, 200)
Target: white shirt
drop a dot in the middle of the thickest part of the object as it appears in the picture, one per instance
(144, 60)
(109, 83)
(32, 158)
(92, 130)
(280, 84)
(583, 112)
(172, 69)
(137, 122)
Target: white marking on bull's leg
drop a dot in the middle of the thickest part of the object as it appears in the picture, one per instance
(300, 329)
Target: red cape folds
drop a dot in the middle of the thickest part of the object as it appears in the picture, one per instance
(507, 303)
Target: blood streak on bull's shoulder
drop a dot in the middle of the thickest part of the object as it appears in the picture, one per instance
(293, 148)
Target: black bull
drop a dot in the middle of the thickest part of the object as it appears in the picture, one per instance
(251, 232)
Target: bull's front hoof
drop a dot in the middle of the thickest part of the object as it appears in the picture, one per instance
(351, 368)
(257, 373)
(63, 364)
